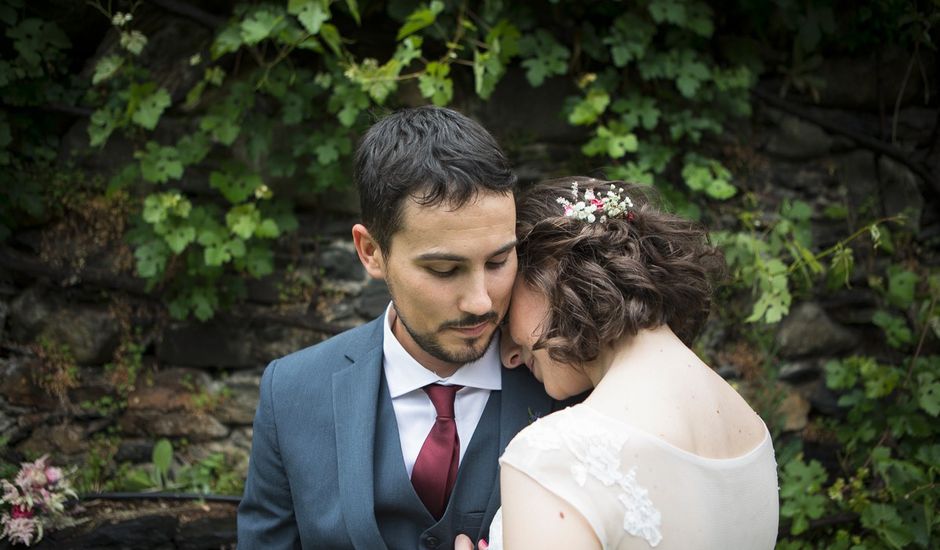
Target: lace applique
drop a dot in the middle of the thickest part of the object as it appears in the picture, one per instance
(597, 452)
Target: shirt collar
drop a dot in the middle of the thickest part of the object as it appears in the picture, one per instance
(404, 374)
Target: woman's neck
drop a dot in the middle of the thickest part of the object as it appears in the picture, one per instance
(647, 348)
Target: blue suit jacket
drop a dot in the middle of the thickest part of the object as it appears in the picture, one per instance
(310, 478)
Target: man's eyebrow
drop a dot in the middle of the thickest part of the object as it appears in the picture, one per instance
(447, 257)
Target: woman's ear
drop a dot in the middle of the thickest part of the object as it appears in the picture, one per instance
(369, 251)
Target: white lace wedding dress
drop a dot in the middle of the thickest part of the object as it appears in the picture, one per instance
(638, 491)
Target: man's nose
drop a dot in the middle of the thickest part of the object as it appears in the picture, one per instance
(477, 299)
(510, 352)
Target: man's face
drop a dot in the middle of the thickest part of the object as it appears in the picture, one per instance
(450, 274)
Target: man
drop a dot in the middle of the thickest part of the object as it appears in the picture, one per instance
(388, 435)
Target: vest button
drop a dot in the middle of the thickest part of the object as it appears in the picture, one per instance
(432, 541)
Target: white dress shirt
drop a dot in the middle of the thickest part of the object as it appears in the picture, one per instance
(414, 411)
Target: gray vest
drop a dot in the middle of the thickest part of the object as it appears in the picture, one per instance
(403, 520)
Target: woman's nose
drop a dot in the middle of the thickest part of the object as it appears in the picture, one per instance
(510, 352)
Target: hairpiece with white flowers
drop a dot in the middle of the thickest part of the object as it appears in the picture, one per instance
(591, 208)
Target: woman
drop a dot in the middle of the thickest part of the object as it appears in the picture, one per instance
(664, 453)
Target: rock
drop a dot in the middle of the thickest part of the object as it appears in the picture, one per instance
(238, 407)
(805, 177)
(794, 138)
(856, 173)
(273, 341)
(852, 82)
(195, 426)
(340, 261)
(136, 451)
(68, 439)
(901, 192)
(825, 400)
(168, 390)
(373, 299)
(807, 330)
(795, 411)
(852, 306)
(799, 371)
(206, 345)
(4, 312)
(90, 332)
(147, 524)
(18, 387)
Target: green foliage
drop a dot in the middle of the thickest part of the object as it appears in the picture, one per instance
(281, 93)
(889, 462)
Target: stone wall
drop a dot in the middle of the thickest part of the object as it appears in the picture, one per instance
(139, 376)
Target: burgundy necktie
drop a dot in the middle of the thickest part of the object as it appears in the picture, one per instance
(435, 469)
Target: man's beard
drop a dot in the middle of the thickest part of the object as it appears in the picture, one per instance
(432, 346)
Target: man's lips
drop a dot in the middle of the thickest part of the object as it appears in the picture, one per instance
(473, 331)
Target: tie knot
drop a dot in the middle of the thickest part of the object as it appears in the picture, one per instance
(442, 397)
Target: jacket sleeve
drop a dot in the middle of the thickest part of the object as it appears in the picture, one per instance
(266, 513)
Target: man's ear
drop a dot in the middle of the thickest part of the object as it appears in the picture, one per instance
(370, 254)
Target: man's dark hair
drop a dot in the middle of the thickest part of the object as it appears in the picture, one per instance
(433, 154)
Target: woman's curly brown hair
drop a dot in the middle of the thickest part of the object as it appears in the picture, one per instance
(610, 279)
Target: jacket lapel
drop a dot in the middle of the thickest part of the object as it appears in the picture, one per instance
(355, 404)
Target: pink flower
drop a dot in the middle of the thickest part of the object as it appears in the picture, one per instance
(598, 203)
(53, 474)
(20, 530)
(568, 210)
(22, 511)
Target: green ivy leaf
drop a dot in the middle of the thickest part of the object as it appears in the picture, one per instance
(193, 148)
(487, 70)
(709, 176)
(637, 110)
(267, 229)
(668, 11)
(503, 39)
(800, 485)
(841, 267)
(629, 38)
(150, 107)
(699, 19)
(879, 380)
(377, 81)
(133, 41)
(151, 259)
(885, 520)
(159, 164)
(589, 108)
(259, 261)
(545, 57)
(928, 397)
(327, 153)
(435, 84)
(235, 183)
(420, 18)
(106, 67)
(259, 26)
(311, 13)
(901, 285)
(243, 220)
(159, 207)
(894, 327)
(101, 124)
(179, 237)
(691, 73)
(227, 41)
(841, 375)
